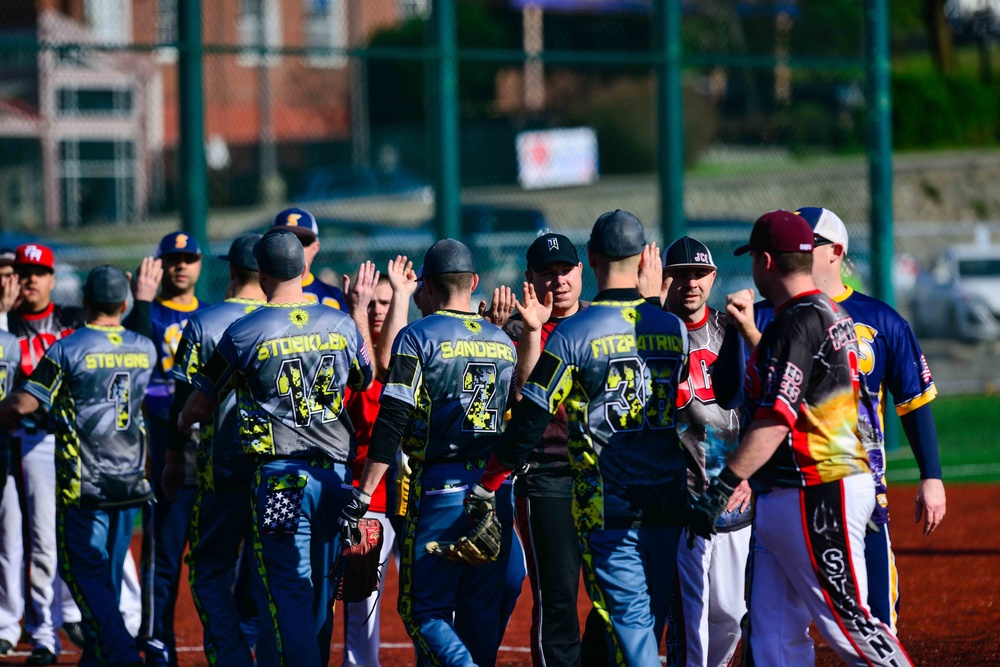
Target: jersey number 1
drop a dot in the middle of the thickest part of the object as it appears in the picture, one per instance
(119, 392)
(320, 395)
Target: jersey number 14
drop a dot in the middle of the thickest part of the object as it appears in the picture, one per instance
(320, 396)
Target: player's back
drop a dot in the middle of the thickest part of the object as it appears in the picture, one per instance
(618, 364)
(167, 320)
(295, 362)
(103, 375)
(457, 370)
(10, 359)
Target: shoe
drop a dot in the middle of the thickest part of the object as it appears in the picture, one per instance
(75, 632)
(6, 648)
(41, 656)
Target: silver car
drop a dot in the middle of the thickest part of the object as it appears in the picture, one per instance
(960, 296)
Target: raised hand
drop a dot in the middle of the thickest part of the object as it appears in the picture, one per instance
(360, 293)
(147, 282)
(533, 312)
(10, 290)
(402, 277)
(650, 271)
(500, 308)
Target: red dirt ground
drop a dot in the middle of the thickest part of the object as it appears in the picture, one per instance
(950, 585)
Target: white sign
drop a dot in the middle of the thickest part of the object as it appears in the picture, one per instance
(551, 158)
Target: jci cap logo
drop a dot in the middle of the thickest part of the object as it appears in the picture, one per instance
(553, 244)
(34, 253)
(701, 257)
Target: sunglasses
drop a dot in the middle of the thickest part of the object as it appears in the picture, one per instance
(820, 240)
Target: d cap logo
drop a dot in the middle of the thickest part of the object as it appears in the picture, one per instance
(34, 253)
(293, 219)
(553, 244)
(181, 241)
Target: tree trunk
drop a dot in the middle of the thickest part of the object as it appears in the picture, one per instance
(939, 36)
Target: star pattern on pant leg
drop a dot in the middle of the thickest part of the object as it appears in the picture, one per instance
(281, 513)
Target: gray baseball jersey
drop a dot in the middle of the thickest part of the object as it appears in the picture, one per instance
(289, 364)
(220, 456)
(94, 382)
(457, 371)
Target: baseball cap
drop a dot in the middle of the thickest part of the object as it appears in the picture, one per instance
(279, 254)
(826, 225)
(298, 221)
(779, 231)
(7, 257)
(241, 251)
(178, 242)
(617, 234)
(35, 254)
(448, 256)
(549, 249)
(687, 253)
(106, 284)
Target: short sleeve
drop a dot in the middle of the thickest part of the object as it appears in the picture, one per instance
(405, 369)
(47, 377)
(187, 359)
(789, 362)
(908, 376)
(552, 378)
(216, 375)
(362, 372)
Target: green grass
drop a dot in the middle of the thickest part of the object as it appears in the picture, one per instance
(967, 438)
(966, 62)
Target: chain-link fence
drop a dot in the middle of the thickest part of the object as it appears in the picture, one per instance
(334, 105)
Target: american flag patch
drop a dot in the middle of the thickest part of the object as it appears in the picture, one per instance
(364, 354)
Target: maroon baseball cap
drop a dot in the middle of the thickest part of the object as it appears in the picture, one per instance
(779, 231)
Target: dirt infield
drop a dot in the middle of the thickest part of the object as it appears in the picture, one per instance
(950, 587)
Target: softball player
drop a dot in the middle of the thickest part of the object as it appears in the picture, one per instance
(890, 360)
(445, 397)
(94, 381)
(806, 452)
(616, 367)
(302, 223)
(289, 362)
(11, 608)
(220, 519)
(704, 627)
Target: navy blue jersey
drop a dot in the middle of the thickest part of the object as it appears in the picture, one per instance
(220, 456)
(168, 320)
(317, 291)
(94, 382)
(456, 371)
(290, 364)
(616, 367)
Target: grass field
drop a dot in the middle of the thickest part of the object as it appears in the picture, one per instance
(967, 437)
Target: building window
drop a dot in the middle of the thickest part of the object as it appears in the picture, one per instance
(410, 9)
(110, 20)
(259, 25)
(98, 181)
(326, 28)
(94, 102)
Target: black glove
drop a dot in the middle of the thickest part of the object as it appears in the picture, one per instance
(707, 509)
(349, 516)
(480, 503)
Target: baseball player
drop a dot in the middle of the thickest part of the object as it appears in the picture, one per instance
(220, 519)
(889, 360)
(93, 381)
(37, 323)
(11, 608)
(704, 626)
(805, 451)
(166, 521)
(289, 362)
(615, 366)
(302, 223)
(445, 398)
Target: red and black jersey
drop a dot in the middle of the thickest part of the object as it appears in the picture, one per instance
(804, 372)
(363, 407)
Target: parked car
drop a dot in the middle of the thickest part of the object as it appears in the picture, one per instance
(960, 296)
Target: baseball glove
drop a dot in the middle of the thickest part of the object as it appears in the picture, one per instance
(482, 544)
(355, 574)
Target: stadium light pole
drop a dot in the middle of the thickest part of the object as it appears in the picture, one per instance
(880, 146)
(670, 119)
(193, 176)
(442, 98)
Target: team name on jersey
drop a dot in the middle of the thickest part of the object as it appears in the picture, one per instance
(476, 348)
(623, 343)
(275, 347)
(96, 360)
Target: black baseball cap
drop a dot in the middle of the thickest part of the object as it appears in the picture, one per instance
(106, 284)
(779, 231)
(688, 253)
(548, 249)
(241, 251)
(7, 257)
(448, 256)
(617, 234)
(280, 255)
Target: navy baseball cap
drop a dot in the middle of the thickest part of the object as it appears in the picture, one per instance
(549, 249)
(241, 251)
(279, 254)
(617, 234)
(106, 284)
(298, 221)
(779, 231)
(176, 243)
(688, 253)
(826, 225)
(7, 257)
(448, 256)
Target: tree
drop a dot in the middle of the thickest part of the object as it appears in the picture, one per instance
(939, 35)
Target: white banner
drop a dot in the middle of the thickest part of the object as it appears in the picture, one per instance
(552, 158)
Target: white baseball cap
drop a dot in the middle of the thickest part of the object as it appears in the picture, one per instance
(826, 225)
